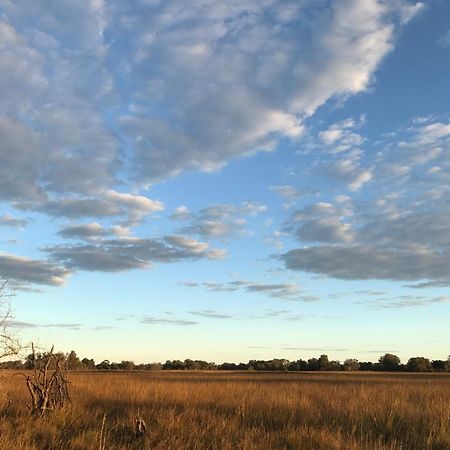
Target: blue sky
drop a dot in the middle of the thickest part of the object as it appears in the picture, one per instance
(227, 180)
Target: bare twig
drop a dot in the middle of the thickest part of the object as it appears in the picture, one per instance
(48, 385)
(9, 345)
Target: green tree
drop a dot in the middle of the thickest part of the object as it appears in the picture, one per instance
(88, 363)
(323, 362)
(351, 364)
(73, 362)
(127, 365)
(389, 362)
(419, 364)
(104, 365)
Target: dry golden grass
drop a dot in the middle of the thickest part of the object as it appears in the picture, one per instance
(223, 410)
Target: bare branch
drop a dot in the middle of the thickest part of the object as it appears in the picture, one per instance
(49, 384)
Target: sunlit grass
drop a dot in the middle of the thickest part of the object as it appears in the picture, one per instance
(218, 410)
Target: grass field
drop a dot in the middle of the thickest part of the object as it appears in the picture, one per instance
(223, 410)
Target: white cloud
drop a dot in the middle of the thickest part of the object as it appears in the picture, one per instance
(320, 222)
(399, 229)
(221, 221)
(202, 84)
(132, 208)
(287, 191)
(349, 172)
(340, 137)
(91, 231)
(231, 82)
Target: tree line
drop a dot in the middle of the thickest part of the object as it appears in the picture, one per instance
(388, 362)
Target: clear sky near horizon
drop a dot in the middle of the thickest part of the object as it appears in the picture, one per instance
(227, 180)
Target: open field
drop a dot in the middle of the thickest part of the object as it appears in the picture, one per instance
(228, 410)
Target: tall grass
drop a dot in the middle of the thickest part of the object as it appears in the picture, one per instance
(217, 410)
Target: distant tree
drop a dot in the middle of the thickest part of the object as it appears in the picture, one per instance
(16, 364)
(149, 366)
(279, 364)
(351, 364)
(173, 365)
(297, 366)
(88, 364)
(335, 366)
(127, 365)
(313, 364)
(41, 358)
(323, 362)
(227, 366)
(389, 362)
(253, 364)
(419, 364)
(198, 364)
(368, 365)
(104, 365)
(73, 362)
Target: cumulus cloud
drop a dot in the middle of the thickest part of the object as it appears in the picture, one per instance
(91, 231)
(99, 98)
(222, 221)
(287, 191)
(231, 83)
(51, 112)
(349, 172)
(341, 136)
(320, 222)
(365, 262)
(132, 208)
(126, 253)
(200, 84)
(340, 158)
(22, 270)
(399, 230)
(8, 220)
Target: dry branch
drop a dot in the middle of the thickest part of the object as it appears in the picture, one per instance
(9, 345)
(48, 385)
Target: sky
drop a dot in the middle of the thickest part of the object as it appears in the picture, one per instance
(227, 180)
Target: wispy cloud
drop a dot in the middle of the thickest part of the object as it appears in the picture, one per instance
(284, 291)
(407, 301)
(149, 320)
(68, 326)
(444, 41)
(211, 314)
